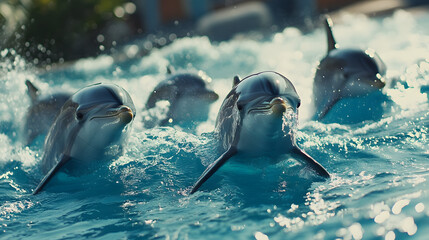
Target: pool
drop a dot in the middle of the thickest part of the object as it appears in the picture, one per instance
(379, 186)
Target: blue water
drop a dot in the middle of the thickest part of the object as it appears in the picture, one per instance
(380, 168)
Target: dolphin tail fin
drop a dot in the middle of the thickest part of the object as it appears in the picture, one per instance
(328, 26)
(33, 91)
(51, 173)
(309, 161)
(213, 168)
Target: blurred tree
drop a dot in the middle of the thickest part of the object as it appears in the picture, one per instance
(56, 29)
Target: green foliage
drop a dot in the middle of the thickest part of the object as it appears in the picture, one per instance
(54, 29)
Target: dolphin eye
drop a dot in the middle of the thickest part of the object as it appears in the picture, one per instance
(239, 106)
(79, 116)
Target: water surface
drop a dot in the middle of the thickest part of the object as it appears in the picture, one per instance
(380, 168)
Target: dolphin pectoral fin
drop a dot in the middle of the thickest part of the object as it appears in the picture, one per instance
(309, 161)
(51, 173)
(213, 168)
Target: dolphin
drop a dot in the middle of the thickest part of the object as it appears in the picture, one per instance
(345, 73)
(42, 112)
(94, 118)
(189, 95)
(257, 118)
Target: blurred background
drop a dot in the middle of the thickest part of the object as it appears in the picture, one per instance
(55, 31)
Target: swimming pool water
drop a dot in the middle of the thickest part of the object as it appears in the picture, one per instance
(380, 170)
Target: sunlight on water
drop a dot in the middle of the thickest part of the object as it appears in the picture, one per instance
(89, 65)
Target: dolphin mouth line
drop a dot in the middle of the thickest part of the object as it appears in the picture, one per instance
(270, 110)
(260, 109)
(116, 113)
(376, 81)
(277, 105)
(267, 109)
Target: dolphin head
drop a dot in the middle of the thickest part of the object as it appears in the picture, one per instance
(346, 73)
(193, 97)
(189, 95)
(257, 118)
(90, 124)
(268, 104)
(361, 72)
(103, 113)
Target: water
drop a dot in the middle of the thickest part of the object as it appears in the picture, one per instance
(379, 187)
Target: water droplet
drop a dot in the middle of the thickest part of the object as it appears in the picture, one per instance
(130, 7)
(119, 12)
(383, 216)
(100, 38)
(408, 226)
(380, 231)
(390, 236)
(397, 208)
(261, 236)
(356, 230)
(420, 207)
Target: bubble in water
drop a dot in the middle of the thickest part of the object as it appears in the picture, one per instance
(261, 236)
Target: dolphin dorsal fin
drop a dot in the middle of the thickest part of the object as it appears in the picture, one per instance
(236, 81)
(32, 90)
(331, 41)
(170, 69)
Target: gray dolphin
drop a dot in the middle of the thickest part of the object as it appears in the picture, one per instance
(345, 73)
(256, 119)
(42, 112)
(189, 95)
(93, 119)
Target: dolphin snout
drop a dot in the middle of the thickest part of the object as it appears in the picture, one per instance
(211, 96)
(278, 105)
(125, 114)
